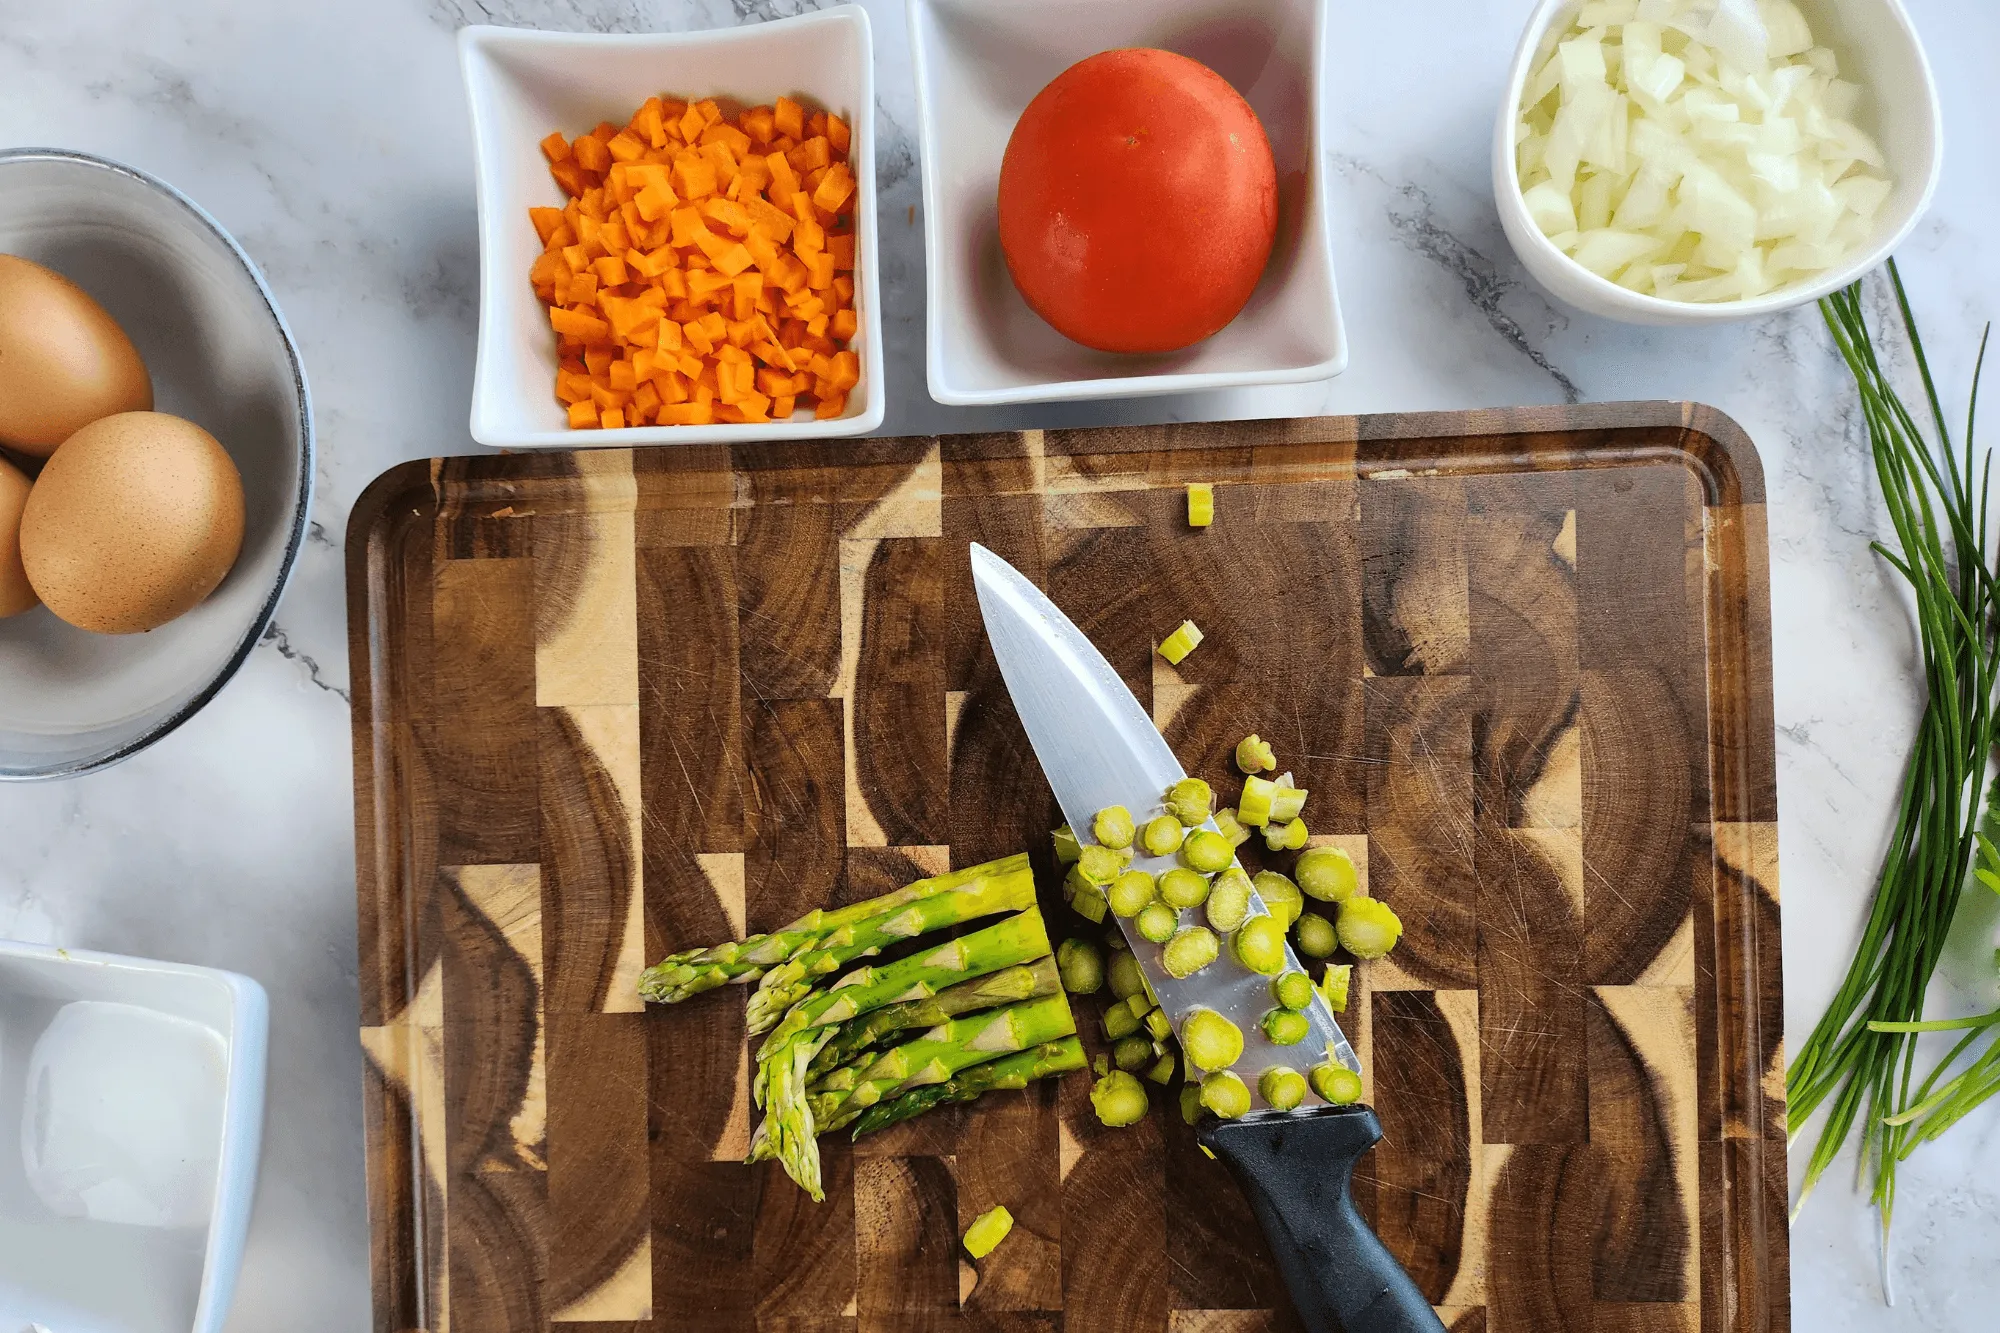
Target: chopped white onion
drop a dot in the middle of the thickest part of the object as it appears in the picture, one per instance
(1699, 150)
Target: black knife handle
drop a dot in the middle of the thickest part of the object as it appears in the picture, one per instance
(1297, 1168)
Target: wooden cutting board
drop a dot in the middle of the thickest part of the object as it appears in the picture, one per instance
(611, 704)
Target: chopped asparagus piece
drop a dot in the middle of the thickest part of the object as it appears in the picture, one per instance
(1293, 990)
(1188, 801)
(1191, 1102)
(1068, 849)
(1326, 873)
(1368, 927)
(1181, 887)
(1127, 979)
(1180, 643)
(1282, 1088)
(1163, 1068)
(1159, 1025)
(1081, 966)
(1336, 1083)
(1210, 1040)
(1140, 1005)
(1253, 755)
(1232, 832)
(1225, 1095)
(1316, 936)
(1119, 1022)
(1253, 807)
(1157, 922)
(1119, 1099)
(1286, 837)
(1100, 865)
(1201, 504)
(1229, 900)
(1162, 836)
(1287, 801)
(1131, 892)
(987, 1231)
(1333, 986)
(1189, 951)
(1100, 1065)
(1009, 1071)
(1133, 1053)
(1205, 851)
(1280, 895)
(1285, 1027)
(1088, 902)
(1113, 826)
(1259, 944)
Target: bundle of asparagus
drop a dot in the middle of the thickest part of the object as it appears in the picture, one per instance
(884, 1042)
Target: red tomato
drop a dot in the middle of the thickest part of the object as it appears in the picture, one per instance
(1138, 202)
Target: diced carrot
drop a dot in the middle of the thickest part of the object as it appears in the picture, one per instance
(845, 325)
(746, 287)
(784, 181)
(597, 361)
(548, 265)
(590, 153)
(841, 246)
(579, 325)
(813, 152)
(646, 398)
(834, 188)
(783, 406)
(706, 282)
(636, 224)
(729, 213)
(572, 387)
(802, 206)
(611, 418)
(838, 134)
(583, 415)
(622, 378)
(736, 258)
(846, 369)
(555, 148)
(772, 221)
(670, 335)
(692, 124)
(651, 122)
(693, 176)
(809, 239)
(831, 407)
(687, 414)
(610, 271)
(789, 118)
(656, 201)
(821, 266)
(697, 337)
(614, 237)
(573, 178)
(725, 133)
(759, 123)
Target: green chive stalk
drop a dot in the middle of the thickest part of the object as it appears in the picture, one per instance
(1860, 1061)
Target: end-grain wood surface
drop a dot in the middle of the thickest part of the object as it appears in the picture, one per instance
(611, 704)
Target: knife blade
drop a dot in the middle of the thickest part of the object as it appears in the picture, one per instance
(1098, 748)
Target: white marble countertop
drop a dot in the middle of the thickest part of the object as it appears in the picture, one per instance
(332, 140)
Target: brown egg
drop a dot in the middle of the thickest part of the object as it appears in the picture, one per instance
(16, 595)
(64, 362)
(135, 520)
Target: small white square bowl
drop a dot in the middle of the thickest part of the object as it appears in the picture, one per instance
(73, 1272)
(978, 66)
(522, 84)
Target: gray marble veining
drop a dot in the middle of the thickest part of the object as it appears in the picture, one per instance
(332, 140)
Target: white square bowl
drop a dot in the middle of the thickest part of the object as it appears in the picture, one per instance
(87, 1274)
(979, 64)
(521, 84)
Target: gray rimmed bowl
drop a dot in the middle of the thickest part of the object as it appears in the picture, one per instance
(222, 356)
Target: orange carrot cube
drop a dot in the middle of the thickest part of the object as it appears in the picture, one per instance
(834, 188)
(610, 271)
(693, 176)
(692, 124)
(555, 148)
(759, 124)
(590, 153)
(655, 201)
(789, 118)
(583, 415)
(830, 407)
(572, 177)
(783, 406)
(813, 152)
(841, 246)
(838, 134)
(845, 325)
(597, 361)
(546, 221)
(611, 418)
(577, 324)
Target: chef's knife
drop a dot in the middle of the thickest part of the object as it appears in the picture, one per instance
(1098, 748)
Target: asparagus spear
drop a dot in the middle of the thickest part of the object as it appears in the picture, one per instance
(692, 971)
(788, 1052)
(1010, 1071)
(1006, 890)
(1026, 981)
(944, 1051)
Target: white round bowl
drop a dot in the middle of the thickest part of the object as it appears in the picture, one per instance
(221, 356)
(1878, 48)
